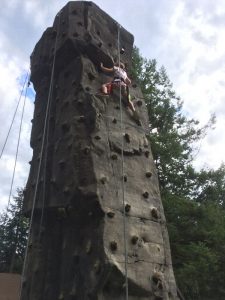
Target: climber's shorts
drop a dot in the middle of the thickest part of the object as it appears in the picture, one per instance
(114, 84)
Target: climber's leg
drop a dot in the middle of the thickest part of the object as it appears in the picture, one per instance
(104, 89)
(131, 105)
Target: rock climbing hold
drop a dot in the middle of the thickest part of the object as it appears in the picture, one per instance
(97, 267)
(62, 163)
(110, 214)
(127, 207)
(65, 127)
(61, 212)
(52, 180)
(69, 145)
(157, 278)
(147, 153)
(81, 119)
(145, 194)
(91, 76)
(139, 103)
(114, 120)
(134, 239)
(114, 156)
(79, 101)
(125, 178)
(73, 292)
(122, 50)
(97, 137)
(148, 174)
(86, 150)
(88, 247)
(66, 190)
(127, 137)
(99, 44)
(33, 184)
(113, 245)
(54, 33)
(103, 179)
(155, 212)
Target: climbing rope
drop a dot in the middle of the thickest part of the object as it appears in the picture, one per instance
(41, 157)
(122, 171)
(20, 97)
(46, 151)
(17, 150)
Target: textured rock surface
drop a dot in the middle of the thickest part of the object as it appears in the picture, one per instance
(76, 249)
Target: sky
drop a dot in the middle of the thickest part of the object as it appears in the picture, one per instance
(185, 36)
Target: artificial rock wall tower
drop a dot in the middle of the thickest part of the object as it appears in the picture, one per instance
(76, 248)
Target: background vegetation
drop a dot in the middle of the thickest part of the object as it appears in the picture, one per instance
(193, 200)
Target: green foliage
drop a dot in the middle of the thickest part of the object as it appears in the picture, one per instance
(13, 233)
(210, 186)
(197, 234)
(172, 134)
(193, 201)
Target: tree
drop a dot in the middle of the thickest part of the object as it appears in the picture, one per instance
(193, 201)
(197, 234)
(13, 232)
(172, 135)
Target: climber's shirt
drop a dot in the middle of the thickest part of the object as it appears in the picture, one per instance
(119, 79)
(119, 74)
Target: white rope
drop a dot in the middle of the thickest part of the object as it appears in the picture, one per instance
(122, 171)
(17, 150)
(21, 93)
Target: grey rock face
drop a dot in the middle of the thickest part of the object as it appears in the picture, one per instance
(76, 250)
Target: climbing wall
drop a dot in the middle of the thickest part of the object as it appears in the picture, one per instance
(77, 247)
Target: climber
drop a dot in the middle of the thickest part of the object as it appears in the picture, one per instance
(120, 79)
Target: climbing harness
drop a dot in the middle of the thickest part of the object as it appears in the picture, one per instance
(41, 157)
(122, 171)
